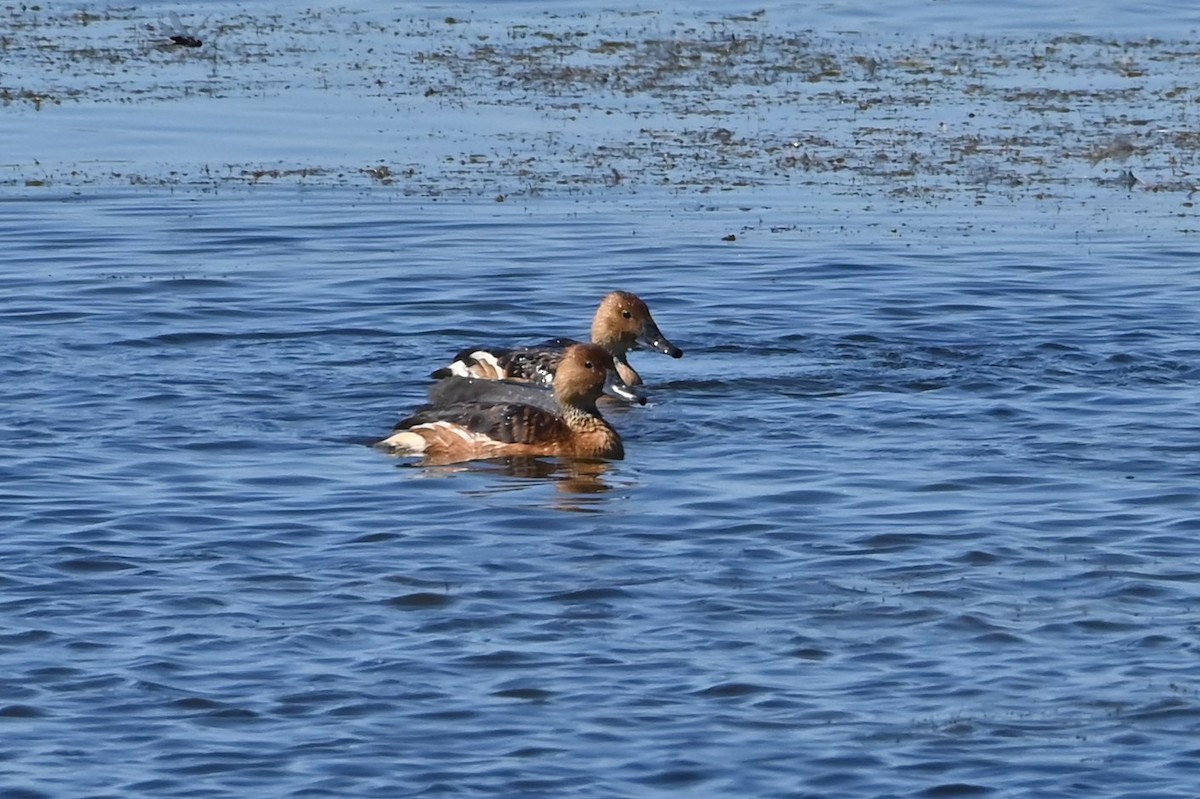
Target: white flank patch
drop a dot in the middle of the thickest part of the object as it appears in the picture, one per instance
(489, 359)
(466, 435)
(412, 442)
(405, 441)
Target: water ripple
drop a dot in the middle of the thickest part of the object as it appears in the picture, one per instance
(915, 516)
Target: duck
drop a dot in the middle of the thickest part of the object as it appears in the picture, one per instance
(622, 323)
(456, 390)
(473, 425)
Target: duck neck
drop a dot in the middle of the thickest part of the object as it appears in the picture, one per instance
(595, 437)
(582, 414)
(618, 349)
(627, 372)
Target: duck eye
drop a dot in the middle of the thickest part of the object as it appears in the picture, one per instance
(588, 364)
(627, 314)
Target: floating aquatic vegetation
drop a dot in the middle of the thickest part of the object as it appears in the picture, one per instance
(636, 100)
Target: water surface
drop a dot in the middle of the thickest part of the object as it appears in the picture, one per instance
(914, 516)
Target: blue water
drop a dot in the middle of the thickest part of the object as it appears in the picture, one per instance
(914, 516)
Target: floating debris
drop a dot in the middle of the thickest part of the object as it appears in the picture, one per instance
(381, 174)
(610, 101)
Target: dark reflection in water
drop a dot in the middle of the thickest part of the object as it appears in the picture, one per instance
(580, 484)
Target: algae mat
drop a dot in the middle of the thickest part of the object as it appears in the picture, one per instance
(528, 104)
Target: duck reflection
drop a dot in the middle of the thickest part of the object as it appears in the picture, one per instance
(578, 483)
(569, 476)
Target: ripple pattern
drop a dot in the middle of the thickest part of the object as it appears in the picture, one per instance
(916, 516)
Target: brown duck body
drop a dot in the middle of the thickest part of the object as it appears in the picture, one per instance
(471, 427)
(622, 323)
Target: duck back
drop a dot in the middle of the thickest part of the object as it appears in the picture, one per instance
(455, 390)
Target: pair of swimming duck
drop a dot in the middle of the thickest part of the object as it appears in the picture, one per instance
(535, 401)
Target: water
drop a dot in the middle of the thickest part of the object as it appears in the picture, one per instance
(914, 516)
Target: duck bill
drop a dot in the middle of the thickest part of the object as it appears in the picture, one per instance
(651, 338)
(614, 386)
